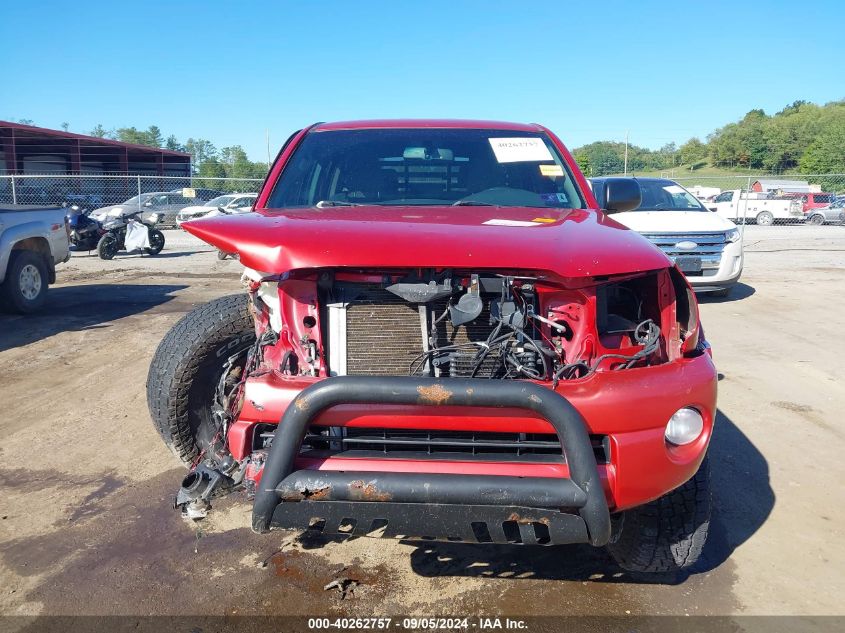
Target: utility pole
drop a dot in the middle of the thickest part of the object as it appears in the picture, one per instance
(626, 152)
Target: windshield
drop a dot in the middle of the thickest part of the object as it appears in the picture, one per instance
(665, 195)
(219, 201)
(426, 167)
(136, 199)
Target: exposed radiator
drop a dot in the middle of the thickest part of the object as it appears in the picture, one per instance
(380, 334)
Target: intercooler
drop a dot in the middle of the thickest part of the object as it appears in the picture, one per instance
(380, 334)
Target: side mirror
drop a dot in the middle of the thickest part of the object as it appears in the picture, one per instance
(621, 194)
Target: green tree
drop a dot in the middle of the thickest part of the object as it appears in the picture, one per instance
(99, 131)
(173, 144)
(826, 154)
(692, 152)
(200, 151)
(154, 137)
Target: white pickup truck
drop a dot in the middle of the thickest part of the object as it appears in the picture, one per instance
(739, 206)
(32, 241)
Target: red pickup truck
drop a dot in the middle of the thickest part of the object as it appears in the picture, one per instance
(444, 337)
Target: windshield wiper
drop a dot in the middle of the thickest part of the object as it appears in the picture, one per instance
(322, 204)
(472, 203)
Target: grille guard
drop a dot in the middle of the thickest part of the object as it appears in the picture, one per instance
(583, 491)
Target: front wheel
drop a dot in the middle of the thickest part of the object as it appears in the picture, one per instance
(156, 242)
(188, 366)
(765, 218)
(816, 220)
(25, 287)
(668, 534)
(107, 247)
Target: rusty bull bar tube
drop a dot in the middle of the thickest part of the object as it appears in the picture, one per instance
(467, 392)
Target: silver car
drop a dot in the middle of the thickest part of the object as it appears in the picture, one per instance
(834, 213)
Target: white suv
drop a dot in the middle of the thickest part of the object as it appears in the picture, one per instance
(705, 246)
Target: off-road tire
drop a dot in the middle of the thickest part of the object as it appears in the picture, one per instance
(11, 290)
(185, 370)
(107, 246)
(668, 534)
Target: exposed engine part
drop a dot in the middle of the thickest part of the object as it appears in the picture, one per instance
(422, 292)
(198, 486)
(484, 325)
(646, 334)
(469, 306)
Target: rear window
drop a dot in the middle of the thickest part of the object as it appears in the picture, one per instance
(426, 167)
(823, 198)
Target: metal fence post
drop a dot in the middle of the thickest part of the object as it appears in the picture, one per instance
(14, 192)
(745, 208)
(139, 192)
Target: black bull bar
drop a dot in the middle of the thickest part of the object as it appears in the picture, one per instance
(440, 506)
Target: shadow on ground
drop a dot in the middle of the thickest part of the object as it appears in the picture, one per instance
(743, 500)
(82, 307)
(738, 292)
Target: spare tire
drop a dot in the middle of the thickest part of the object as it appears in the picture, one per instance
(187, 367)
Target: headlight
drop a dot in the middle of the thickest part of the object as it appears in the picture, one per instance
(684, 426)
(732, 236)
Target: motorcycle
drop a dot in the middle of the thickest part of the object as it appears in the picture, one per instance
(127, 231)
(85, 231)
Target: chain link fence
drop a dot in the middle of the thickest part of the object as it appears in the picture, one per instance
(764, 199)
(93, 191)
(761, 199)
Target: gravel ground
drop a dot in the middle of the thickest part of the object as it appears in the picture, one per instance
(86, 485)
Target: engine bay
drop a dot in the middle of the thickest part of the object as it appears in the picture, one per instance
(464, 324)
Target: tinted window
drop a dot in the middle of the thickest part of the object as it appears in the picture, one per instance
(665, 195)
(426, 167)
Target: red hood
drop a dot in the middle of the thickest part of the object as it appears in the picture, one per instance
(570, 243)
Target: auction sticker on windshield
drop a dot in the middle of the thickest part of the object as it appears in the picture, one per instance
(518, 150)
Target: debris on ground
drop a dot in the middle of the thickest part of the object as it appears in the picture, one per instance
(345, 586)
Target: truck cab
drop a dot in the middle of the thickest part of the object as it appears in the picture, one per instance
(33, 240)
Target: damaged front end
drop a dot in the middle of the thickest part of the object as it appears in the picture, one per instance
(439, 402)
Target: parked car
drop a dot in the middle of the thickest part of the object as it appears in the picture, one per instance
(810, 201)
(200, 193)
(462, 345)
(706, 247)
(164, 204)
(33, 240)
(233, 203)
(830, 214)
(739, 206)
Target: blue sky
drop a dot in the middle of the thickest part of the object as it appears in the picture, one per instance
(230, 71)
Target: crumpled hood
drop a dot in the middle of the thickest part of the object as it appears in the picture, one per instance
(570, 243)
(674, 221)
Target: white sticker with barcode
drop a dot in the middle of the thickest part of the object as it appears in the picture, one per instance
(520, 150)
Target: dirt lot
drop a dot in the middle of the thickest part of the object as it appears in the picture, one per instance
(86, 485)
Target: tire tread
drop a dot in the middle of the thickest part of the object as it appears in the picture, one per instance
(175, 363)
